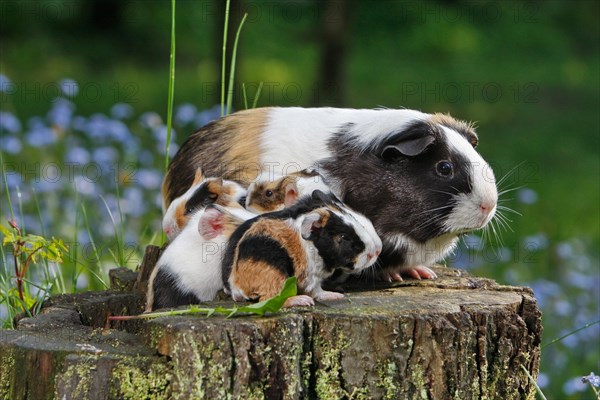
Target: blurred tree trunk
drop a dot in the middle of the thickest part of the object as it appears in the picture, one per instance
(331, 83)
(236, 8)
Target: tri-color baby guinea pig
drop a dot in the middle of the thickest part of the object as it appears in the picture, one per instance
(416, 176)
(189, 269)
(202, 192)
(310, 240)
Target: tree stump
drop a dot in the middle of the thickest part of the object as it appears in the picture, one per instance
(456, 337)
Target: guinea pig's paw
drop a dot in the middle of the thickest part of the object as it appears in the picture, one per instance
(419, 272)
(300, 300)
(326, 295)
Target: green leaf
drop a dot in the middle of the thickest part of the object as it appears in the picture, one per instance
(273, 304)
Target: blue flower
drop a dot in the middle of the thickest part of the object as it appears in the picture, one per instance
(133, 202)
(150, 119)
(5, 83)
(543, 380)
(574, 385)
(148, 179)
(535, 242)
(592, 379)
(69, 87)
(13, 180)
(40, 137)
(527, 196)
(61, 113)
(77, 155)
(105, 156)
(84, 185)
(206, 116)
(121, 111)
(11, 144)
(185, 113)
(9, 123)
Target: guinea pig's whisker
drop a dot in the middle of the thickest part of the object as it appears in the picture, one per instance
(508, 209)
(509, 173)
(435, 209)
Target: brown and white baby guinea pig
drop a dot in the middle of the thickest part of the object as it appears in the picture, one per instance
(274, 195)
(310, 240)
(202, 192)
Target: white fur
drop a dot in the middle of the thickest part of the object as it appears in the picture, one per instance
(423, 254)
(196, 262)
(170, 225)
(467, 213)
(296, 137)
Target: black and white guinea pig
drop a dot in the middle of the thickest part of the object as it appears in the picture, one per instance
(276, 193)
(310, 240)
(416, 176)
(202, 192)
(189, 269)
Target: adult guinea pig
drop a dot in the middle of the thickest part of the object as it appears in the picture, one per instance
(202, 192)
(311, 240)
(416, 176)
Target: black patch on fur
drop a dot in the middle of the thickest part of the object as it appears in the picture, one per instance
(337, 244)
(268, 250)
(167, 292)
(201, 198)
(403, 195)
(303, 206)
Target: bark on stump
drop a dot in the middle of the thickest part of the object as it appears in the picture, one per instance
(458, 337)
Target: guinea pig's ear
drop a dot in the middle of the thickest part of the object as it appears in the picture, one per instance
(211, 223)
(291, 194)
(311, 223)
(198, 177)
(319, 196)
(410, 147)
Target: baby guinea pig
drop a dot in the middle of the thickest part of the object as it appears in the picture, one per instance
(202, 192)
(310, 240)
(274, 195)
(189, 269)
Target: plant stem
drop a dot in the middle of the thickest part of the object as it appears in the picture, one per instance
(232, 68)
(223, 59)
(171, 86)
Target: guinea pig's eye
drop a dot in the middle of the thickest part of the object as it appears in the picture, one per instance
(269, 193)
(444, 168)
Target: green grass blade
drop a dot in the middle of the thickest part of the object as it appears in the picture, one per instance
(4, 178)
(534, 383)
(223, 59)
(171, 86)
(257, 95)
(97, 260)
(232, 68)
(570, 333)
(244, 95)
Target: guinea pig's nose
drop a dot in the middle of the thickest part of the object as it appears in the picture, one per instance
(486, 207)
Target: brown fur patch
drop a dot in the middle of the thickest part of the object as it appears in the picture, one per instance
(259, 200)
(289, 239)
(466, 129)
(228, 147)
(257, 279)
(180, 218)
